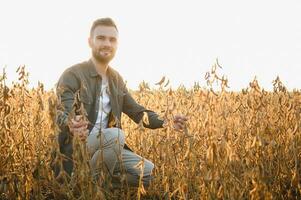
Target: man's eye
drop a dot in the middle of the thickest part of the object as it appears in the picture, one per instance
(100, 37)
(113, 39)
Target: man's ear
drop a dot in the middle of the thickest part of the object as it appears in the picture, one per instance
(90, 41)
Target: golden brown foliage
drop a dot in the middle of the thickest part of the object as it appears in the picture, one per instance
(237, 145)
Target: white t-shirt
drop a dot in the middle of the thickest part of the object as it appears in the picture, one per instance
(104, 108)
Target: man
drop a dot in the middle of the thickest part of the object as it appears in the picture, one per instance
(104, 96)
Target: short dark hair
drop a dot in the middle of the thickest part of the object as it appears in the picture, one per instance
(102, 22)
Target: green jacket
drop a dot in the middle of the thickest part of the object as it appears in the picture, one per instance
(84, 78)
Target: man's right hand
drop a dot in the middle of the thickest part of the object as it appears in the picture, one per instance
(78, 126)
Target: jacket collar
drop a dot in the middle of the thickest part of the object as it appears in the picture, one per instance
(94, 73)
(113, 86)
(92, 70)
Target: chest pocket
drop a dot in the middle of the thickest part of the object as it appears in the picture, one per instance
(86, 99)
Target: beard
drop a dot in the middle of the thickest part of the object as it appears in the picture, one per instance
(105, 59)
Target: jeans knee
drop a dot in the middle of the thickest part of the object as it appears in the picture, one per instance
(148, 167)
(147, 173)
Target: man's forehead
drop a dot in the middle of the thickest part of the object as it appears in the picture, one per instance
(109, 31)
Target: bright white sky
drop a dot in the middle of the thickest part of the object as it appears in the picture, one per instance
(178, 39)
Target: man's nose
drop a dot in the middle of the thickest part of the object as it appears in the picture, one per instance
(107, 43)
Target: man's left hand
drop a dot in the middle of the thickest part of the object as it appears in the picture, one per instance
(179, 122)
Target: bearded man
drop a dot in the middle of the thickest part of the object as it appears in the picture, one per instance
(105, 97)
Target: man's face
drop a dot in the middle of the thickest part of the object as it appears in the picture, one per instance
(103, 42)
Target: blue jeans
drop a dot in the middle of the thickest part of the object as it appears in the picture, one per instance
(107, 150)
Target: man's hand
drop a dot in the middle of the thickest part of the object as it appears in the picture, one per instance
(78, 126)
(179, 122)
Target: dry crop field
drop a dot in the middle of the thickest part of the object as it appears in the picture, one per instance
(237, 145)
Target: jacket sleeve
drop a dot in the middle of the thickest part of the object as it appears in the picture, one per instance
(67, 85)
(135, 111)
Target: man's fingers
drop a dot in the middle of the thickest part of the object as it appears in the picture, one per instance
(80, 130)
(83, 135)
(76, 124)
(180, 118)
(181, 121)
(179, 126)
(78, 118)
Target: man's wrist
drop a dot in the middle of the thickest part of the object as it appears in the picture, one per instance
(165, 123)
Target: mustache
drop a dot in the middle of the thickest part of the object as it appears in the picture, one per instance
(106, 49)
